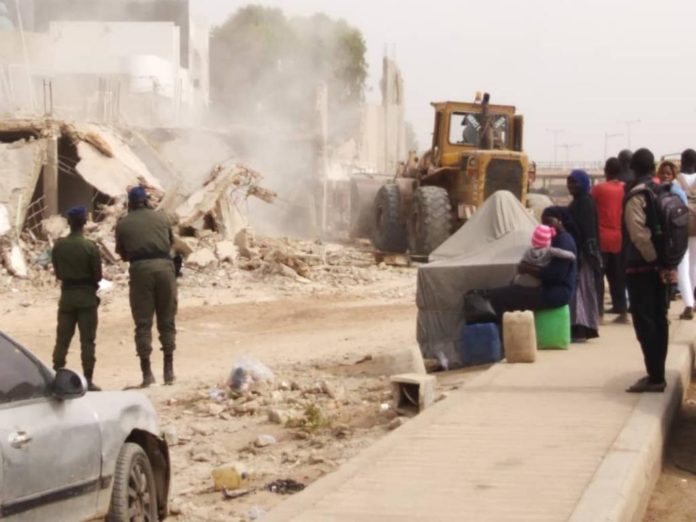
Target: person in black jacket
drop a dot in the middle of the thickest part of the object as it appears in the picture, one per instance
(647, 282)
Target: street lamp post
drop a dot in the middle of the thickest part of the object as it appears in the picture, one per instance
(628, 124)
(555, 133)
(607, 137)
(567, 147)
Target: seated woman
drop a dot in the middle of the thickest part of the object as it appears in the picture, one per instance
(557, 278)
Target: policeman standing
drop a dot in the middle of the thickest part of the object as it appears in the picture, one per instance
(144, 238)
(77, 264)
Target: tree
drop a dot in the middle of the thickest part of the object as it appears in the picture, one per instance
(266, 66)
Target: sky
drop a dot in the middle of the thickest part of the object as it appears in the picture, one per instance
(599, 72)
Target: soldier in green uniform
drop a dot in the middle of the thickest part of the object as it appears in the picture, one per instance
(144, 238)
(77, 264)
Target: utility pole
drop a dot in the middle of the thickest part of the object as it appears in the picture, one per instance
(628, 124)
(567, 147)
(607, 137)
(555, 133)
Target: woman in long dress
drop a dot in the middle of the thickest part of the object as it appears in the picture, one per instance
(584, 307)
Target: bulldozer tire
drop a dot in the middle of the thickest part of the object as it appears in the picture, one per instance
(390, 232)
(430, 220)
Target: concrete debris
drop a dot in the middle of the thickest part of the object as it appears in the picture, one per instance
(212, 200)
(263, 441)
(201, 258)
(226, 251)
(15, 262)
(278, 416)
(54, 227)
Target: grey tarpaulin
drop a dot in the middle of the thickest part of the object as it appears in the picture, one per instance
(481, 254)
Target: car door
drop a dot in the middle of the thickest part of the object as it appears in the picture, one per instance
(50, 449)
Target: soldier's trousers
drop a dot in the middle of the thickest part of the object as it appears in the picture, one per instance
(86, 320)
(153, 294)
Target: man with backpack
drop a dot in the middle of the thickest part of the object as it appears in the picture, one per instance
(656, 238)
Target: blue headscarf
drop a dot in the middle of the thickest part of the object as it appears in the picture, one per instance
(582, 179)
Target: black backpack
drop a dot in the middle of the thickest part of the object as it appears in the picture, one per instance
(668, 219)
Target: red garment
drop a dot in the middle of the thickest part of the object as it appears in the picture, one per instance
(608, 198)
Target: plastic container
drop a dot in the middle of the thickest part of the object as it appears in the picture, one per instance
(519, 337)
(479, 344)
(553, 328)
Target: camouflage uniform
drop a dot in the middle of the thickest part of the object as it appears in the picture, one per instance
(144, 239)
(77, 265)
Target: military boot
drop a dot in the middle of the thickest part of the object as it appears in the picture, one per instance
(169, 377)
(148, 377)
(90, 383)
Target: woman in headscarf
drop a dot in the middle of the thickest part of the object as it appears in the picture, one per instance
(584, 307)
(557, 278)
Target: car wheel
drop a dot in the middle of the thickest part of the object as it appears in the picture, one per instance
(134, 496)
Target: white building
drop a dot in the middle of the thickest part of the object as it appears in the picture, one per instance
(112, 65)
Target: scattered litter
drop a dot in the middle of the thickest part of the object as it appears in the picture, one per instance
(256, 512)
(231, 494)
(247, 370)
(217, 394)
(284, 486)
(230, 476)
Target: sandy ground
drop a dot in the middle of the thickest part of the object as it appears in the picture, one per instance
(674, 498)
(311, 336)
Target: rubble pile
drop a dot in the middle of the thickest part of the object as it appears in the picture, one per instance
(317, 421)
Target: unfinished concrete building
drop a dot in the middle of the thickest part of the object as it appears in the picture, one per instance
(141, 62)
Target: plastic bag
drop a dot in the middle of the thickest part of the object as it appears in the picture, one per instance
(247, 370)
(478, 309)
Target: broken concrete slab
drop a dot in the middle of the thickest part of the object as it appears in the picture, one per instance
(226, 251)
(4, 220)
(54, 227)
(106, 161)
(15, 262)
(20, 167)
(201, 258)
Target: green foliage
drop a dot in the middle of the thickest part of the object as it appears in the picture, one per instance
(312, 420)
(264, 64)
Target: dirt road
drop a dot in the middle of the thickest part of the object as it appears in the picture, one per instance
(311, 340)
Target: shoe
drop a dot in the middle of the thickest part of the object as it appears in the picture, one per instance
(169, 376)
(622, 319)
(644, 385)
(687, 314)
(578, 340)
(92, 387)
(148, 377)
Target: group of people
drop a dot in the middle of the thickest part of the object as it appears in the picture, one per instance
(607, 231)
(144, 239)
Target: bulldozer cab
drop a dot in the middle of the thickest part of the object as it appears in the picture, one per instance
(462, 127)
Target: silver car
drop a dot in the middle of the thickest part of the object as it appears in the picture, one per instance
(70, 455)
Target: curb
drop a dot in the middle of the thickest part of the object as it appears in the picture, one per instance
(621, 487)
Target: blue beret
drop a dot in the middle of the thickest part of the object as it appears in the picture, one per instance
(137, 194)
(77, 212)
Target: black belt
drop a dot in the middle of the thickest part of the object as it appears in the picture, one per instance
(145, 257)
(74, 283)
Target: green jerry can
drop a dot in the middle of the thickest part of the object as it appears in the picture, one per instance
(553, 328)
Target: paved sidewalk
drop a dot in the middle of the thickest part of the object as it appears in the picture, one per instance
(538, 442)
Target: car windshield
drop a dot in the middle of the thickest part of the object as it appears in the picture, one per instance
(20, 377)
(465, 129)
